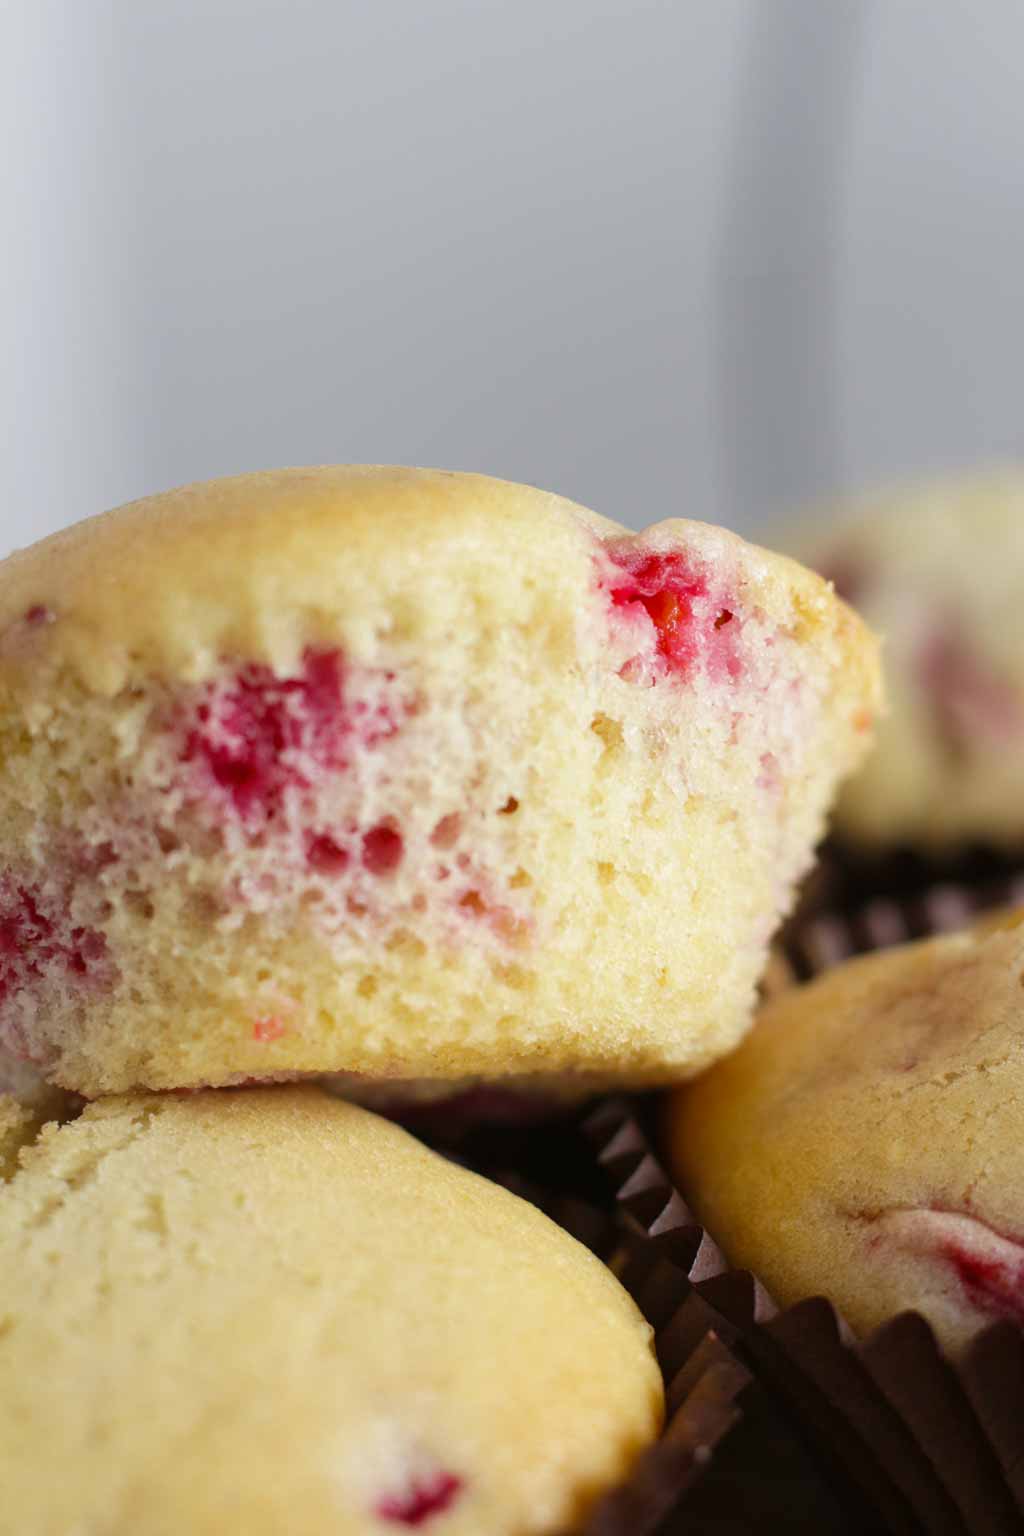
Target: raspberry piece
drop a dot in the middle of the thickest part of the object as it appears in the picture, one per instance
(422, 1500)
(256, 737)
(992, 1285)
(692, 625)
(382, 849)
(36, 939)
(263, 734)
(326, 856)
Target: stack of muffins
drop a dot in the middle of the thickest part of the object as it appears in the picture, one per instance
(422, 788)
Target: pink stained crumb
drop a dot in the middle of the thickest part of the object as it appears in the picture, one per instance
(446, 833)
(259, 736)
(39, 615)
(987, 1264)
(424, 1498)
(37, 941)
(269, 1029)
(503, 921)
(262, 753)
(474, 897)
(692, 625)
(992, 1284)
(769, 779)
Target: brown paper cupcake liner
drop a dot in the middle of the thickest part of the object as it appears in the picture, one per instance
(782, 1420)
(815, 942)
(845, 876)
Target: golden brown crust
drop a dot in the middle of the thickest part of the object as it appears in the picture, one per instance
(866, 1139)
(261, 565)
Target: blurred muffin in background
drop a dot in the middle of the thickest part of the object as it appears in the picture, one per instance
(939, 570)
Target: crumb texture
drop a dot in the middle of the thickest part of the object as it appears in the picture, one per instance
(404, 775)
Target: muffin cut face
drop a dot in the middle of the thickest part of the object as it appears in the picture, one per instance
(866, 1140)
(403, 775)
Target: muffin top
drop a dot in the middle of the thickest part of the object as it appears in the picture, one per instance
(267, 1310)
(867, 1140)
(267, 565)
(939, 570)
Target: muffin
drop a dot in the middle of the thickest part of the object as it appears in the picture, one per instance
(939, 570)
(404, 775)
(867, 1139)
(270, 1311)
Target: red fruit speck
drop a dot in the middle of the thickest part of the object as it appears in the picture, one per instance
(258, 735)
(35, 938)
(421, 1500)
(326, 856)
(265, 1030)
(691, 624)
(382, 850)
(994, 1286)
(38, 615)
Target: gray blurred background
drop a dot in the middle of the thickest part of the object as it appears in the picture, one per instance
(702, 257)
